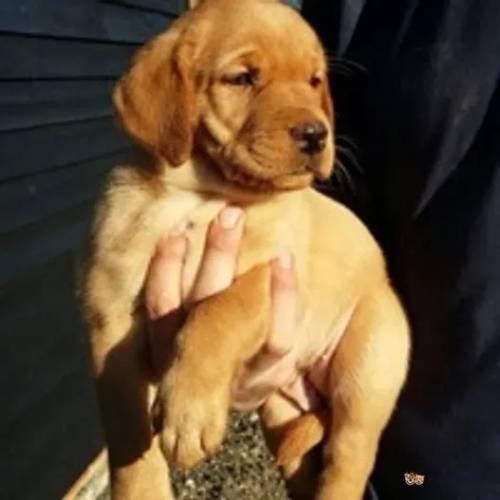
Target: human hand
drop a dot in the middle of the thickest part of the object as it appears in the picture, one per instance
(274, 367)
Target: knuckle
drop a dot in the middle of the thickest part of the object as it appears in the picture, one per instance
(222, 240)
(171, 248)
(159, 306)
(283, 279)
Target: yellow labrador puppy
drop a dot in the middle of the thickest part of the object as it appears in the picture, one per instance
(232, 101)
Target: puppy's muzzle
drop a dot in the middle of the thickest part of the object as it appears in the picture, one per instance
(310, 137)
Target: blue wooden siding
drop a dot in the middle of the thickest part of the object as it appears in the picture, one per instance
(58, 62)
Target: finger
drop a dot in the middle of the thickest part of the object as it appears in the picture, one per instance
(162, 296)
(284, 306)
(281, 340)
(162, 292)
(219, 261)
(275, 365)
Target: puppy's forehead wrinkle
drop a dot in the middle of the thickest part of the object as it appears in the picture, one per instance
(272, 30)
(235, 56)
(265, 48)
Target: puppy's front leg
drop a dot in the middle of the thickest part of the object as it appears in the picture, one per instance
(368, 371)
(220, 333)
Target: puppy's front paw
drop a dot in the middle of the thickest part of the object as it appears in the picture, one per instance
(192, 424)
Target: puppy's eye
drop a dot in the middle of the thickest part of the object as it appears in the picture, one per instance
(315, 81)
(244, 79)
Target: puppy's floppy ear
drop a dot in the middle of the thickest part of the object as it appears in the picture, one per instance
(155, 99)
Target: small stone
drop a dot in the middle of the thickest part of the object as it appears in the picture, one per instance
(254, 417)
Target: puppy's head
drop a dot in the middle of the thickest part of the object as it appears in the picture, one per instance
(239, 82)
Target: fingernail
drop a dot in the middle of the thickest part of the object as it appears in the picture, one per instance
(179, 228)
(285, 260)
(229, 217)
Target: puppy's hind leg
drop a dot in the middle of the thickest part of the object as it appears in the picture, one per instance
(367, 373)
(302, 472)
(138, 469)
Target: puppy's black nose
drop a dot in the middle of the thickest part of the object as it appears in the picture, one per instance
(310, 136)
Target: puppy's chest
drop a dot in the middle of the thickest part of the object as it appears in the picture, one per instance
(267, 233)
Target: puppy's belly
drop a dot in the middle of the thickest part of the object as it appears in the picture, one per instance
(310, 387)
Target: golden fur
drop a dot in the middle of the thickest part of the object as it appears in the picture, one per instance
(214, 99)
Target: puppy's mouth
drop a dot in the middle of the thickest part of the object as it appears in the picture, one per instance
(240, 174)
(260, 166)
(238, 165)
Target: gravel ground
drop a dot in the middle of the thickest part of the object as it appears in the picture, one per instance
(243, 469)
